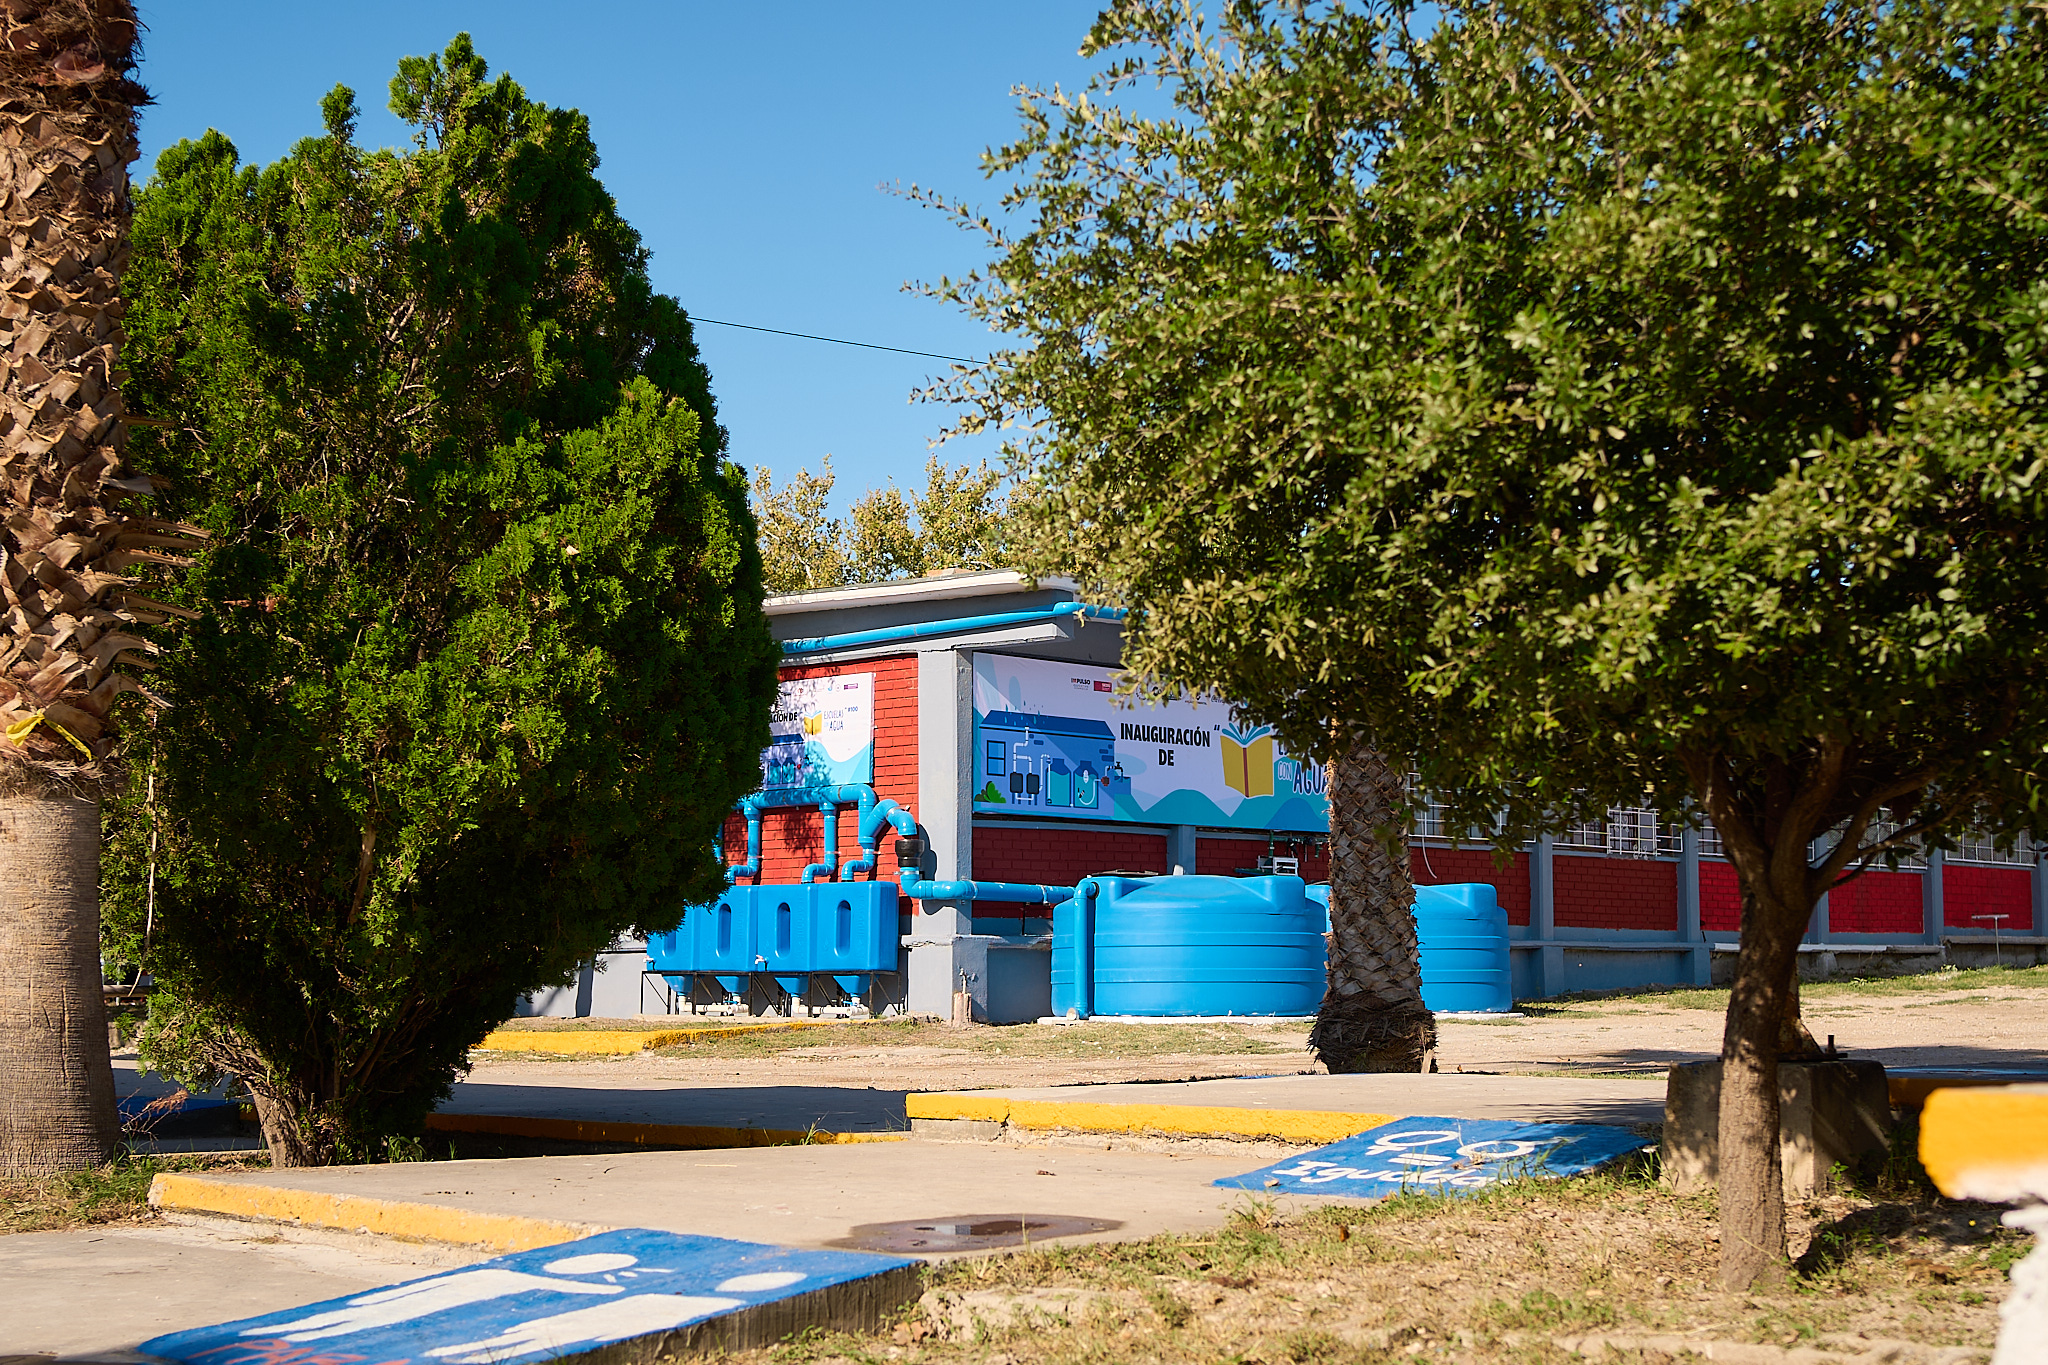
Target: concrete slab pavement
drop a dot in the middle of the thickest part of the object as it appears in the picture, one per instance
(109, 1288)
(1311, 1108)
(812, 1196)
(592, 1107)
(835, 1107)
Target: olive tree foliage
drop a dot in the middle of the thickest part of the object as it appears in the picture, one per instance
(1592, 404)
(480, 661)
(958, 521)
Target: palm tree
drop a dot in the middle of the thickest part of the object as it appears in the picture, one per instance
(67, 136)
(1372, 1017)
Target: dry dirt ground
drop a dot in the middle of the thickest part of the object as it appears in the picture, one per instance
(1612, 1268)
(1960, 1019)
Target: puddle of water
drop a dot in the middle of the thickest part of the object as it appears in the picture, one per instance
(969, 1232)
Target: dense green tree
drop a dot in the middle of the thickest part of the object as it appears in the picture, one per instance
(1582, 401)
(802, 548)
(480, 662)
(958, 521)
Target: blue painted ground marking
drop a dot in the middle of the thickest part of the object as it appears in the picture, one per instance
(134, 1107)
(529, 1306)
(1450, 1156)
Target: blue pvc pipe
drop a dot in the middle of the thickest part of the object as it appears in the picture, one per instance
(830, 813)
(884, 814)
(1084, 947)
(851, 794)
(919, 630)
(1024, 893)
(876, 814)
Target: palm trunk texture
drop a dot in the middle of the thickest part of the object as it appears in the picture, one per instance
(56, 1078)
(1372, 1017)
(67, 136)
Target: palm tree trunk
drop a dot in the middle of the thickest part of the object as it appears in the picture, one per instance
(67, 606)
(56, 1079)
(1372, 1017)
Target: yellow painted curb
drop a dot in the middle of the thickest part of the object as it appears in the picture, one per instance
(691, 1137)
(1285, 1125)
(623, 1042)
(352, 1213)
(1987, 1142)
(991, 1108)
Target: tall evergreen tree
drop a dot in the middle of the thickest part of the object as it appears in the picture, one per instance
(481, 662)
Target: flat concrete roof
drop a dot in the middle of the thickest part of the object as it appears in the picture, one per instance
(941, 587)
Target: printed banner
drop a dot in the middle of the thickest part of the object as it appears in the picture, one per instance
(821, 732)
(563, 1300)
(1443, 1156)
(1050, 739)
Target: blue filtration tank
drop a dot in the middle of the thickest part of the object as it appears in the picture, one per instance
(846, 930)
(1188, 945)
(1464, 935)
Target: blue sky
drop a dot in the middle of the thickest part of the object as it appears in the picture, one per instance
(749, 144)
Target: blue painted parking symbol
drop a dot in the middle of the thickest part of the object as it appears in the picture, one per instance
(1440, 1155)
(529, 1306)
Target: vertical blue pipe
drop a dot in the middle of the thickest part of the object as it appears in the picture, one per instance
(1084, 945)
(812, 871)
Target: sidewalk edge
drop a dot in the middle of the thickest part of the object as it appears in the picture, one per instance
(686, 1137)
(408, 1221)
(1315, 1126)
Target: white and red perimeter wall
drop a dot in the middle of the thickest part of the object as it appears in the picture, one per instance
(1590, 891)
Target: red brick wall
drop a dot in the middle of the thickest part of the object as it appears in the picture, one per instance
(1877, 903)
(1435, 866)
(1614, 893)
(1720, 897)
(1967, 891)
(791, 839)
(1217, 856)
(1056, 857)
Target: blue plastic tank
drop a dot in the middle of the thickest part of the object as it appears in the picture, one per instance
(853, 932)
(787, 932)
(1166, 946)
(1464, 936)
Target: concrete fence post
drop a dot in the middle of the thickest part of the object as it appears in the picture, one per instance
(2040, 890)
(1699, 958)
(1930, 898)
(1543, 919)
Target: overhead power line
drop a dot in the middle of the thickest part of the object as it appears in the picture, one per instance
(836, 341)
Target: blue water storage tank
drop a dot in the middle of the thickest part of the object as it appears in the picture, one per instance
(1188, 945)
(1464, 935)
(853, 931)
(844, 929)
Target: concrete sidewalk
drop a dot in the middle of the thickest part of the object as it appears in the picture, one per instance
(1314, 1108)
(1299, 1109)
(585, 1109)
(811, 1196)
(108, 1288)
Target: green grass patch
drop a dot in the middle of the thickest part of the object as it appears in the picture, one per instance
(1066, 1042)
(1542, 1311)
(113, 1193)
(1948, 979)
